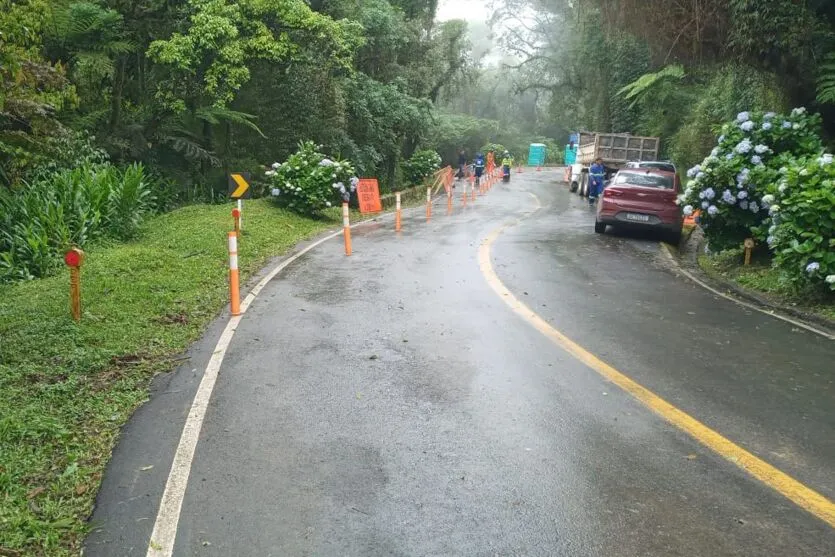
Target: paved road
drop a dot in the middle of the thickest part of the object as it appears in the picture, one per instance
(393, 404)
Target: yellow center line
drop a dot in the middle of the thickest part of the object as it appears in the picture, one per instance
(781, 482)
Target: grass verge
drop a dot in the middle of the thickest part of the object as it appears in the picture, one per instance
(66, 389)
(761, 278)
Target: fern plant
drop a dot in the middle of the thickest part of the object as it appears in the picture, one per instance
(652, 83)
(826, 80)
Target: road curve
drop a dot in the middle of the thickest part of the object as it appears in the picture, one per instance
(392, 404)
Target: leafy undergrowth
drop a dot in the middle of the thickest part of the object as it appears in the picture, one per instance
(763, 278)
(66, 389)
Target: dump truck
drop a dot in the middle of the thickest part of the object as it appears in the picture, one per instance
(616, 150)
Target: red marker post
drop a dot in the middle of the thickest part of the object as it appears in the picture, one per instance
(74, 259)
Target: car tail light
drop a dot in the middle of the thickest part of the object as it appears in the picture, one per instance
(608, 192)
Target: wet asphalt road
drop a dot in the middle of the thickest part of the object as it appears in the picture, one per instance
(391, 404)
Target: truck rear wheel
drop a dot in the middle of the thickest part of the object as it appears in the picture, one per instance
(573, 187)
(584, 185)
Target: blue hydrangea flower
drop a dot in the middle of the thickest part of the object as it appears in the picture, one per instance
(743, 205)
(742, 195)
(787, 125)
(729, 156)
(754, 207)
(721, 139)
(743, 117)
(709, 193)
(705, 204)
(688, 210)
(770, 115)
(756, 159)
(728, 197)
(767, 126)
(747, 126)
(712, 210)
(770, 240)
(762, 149)
(744, 147)
(693, 171)
(812, 267)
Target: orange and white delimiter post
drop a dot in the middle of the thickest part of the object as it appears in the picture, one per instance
(428, 203)
(234, 279)
(398, 213)
(346, 227)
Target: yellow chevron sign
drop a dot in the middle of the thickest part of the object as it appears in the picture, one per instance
(239, 185)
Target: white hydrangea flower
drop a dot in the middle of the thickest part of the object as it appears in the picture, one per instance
(796, 127)
(715, 152)
(774, 209)
(812, 267)
(799, 111)
(826, 159)
(804, 172)
(830, 279)
(770, 115)
(770, 240)
(269, 173)
(747, 126)
(276, 165)
(328, 204)
(768, 199)
(729, 156)
(762, 149)
(783, 187)
(756, 159)
(721, 139)
(326, 162)
(767, 126)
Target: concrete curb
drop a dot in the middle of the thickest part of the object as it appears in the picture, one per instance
(811, 322)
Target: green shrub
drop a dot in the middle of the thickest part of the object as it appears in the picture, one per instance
(729, 186)
(802, 219)
(421, 166)
(309, 182)
(40, 221)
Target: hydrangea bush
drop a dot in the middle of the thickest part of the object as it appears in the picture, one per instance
(730, 185)
(802, 222)
(309, 182)
(422, 165)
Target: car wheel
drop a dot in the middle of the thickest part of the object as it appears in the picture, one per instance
(599, 227)
(674, 237)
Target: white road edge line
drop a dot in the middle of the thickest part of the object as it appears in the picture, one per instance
(167, 521)
(666, 251)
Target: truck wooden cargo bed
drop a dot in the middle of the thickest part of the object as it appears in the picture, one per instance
(616, 149)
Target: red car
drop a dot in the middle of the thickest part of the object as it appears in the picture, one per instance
(639, 198)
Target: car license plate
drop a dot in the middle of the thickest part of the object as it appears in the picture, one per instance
(636, 217)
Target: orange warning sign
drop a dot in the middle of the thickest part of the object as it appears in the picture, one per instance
(368, 193)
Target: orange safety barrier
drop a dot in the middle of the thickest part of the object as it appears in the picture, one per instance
(691, 220)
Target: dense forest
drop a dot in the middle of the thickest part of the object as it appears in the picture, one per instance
(672, 69)
(152, 103)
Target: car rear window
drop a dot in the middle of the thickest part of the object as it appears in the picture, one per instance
(660, 166)
(644, 179)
